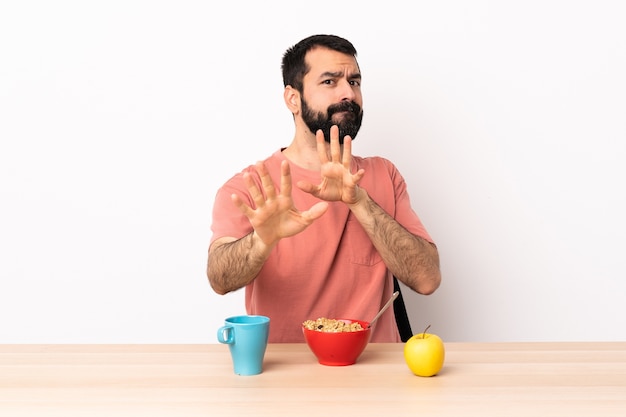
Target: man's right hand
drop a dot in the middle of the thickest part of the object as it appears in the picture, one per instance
(274, 215)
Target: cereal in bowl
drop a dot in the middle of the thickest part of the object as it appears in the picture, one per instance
(323, 324)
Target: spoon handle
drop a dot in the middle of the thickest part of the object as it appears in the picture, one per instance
(385, 307)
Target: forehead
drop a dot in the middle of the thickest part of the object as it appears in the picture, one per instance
(322, 60)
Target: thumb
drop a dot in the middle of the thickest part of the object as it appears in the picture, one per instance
(316, 211)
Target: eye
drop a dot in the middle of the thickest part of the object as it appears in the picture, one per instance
(328, 82)
(356, 83)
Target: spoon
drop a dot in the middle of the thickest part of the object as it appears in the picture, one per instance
(385, 307)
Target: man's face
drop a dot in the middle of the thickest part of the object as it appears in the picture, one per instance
(332, 93)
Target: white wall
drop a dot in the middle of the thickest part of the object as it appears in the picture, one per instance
(120, 119)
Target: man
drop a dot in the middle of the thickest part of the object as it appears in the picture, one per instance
(313, 231)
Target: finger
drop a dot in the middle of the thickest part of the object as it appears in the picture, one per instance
(335, 148)
(255, 193)
(321, 146)
(266, 181)
(285, 179)
(307, 187)
(316, 211)
(245, 209)
(358, 176)
(346, 158)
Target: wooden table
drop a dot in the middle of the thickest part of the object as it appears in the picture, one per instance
(478, 379)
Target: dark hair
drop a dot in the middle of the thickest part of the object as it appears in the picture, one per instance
(293, 66)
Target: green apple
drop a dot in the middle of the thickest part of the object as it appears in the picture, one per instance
(424, 354)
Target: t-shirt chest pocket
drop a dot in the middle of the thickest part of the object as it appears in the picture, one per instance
(360, 248)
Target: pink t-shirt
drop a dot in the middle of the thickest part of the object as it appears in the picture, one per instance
(331, 269)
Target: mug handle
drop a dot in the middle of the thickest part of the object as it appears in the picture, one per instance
(230, 335)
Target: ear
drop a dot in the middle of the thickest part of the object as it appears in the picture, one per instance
(292, 99)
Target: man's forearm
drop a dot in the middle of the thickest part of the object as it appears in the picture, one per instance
(235, 264)
(413, 260)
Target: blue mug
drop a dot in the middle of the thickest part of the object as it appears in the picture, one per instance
(246, 337)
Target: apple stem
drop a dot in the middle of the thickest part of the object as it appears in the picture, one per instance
(425, 330)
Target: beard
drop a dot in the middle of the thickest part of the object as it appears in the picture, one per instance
(349, 124)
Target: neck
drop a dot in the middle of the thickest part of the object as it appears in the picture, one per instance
(303, 152)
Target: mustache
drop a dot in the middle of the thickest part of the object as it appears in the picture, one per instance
(349, 106)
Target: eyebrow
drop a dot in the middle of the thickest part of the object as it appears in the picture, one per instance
(337, 74)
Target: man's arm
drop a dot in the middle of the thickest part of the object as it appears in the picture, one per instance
(411, 259)
(234, 263)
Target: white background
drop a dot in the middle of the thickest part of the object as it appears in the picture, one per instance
(120, 119)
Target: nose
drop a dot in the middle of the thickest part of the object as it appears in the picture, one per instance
(347, 91)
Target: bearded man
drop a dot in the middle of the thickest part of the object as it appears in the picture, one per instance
(314, 231)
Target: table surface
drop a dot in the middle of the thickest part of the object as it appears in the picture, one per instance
(478, 379)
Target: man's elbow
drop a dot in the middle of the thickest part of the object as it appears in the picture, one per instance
(215, 284)
(219, 290)
(430, 284)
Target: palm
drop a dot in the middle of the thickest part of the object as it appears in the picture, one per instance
(338, 183)
(275, 216)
